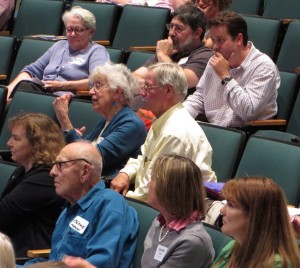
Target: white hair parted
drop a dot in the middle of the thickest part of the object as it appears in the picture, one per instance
(7, 255)
(117, 76)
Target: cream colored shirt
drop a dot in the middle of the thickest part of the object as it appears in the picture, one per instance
(175, 132)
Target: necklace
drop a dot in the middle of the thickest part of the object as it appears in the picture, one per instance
(160, 233)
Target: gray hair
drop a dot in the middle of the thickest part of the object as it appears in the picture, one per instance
(117, 76)
(173, 74)
(87, 17)
(7, 255)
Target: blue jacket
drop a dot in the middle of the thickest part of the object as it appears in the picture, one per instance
(100, 228)
(123, 138)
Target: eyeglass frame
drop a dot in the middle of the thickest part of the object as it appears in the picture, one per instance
(146, 88)
(93, 85)
(58, 164)
(76, 30)
(177, 28)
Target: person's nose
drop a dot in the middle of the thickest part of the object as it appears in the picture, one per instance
(53, 171)
(222, 210)
(9, 142)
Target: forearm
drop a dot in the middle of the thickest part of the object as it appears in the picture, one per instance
(20, 77)
(77, 85)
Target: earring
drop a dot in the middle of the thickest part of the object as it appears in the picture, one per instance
(114, 104)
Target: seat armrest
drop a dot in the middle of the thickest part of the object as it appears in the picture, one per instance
(38, 253)
(102, 42)
(268, 122)
(3, 76)
(4, 33)
(143, 48)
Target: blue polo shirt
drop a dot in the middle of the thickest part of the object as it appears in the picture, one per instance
(100, 228)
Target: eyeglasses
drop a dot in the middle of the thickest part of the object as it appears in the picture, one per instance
(59, 164)
(97, 86)
(78, 31)
(177, 28)
(146, 88)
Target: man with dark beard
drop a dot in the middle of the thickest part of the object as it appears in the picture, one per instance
(184, 45)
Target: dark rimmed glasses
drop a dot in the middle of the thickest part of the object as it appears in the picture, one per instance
(76, 30)
(59, 164)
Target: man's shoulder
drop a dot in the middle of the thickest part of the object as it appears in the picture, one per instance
(202, 50)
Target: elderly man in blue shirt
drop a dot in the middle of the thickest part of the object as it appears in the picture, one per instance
(98, 225)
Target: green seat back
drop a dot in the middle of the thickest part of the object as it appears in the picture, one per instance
(219, 239)
(38, 17)
(251, 7)
(29, 51)
(106, 18)
(227, 145)
(287, 9)
(289, 56)
(6, 170)
(277, 160)
(116, 55)
(137, 58)
(141, 26)
(81, 114)
(26, 102)
(264, 33)
(7, 49)
(146, 215)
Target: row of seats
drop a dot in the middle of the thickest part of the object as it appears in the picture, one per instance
(288, 9)
(146, 215)
(232, 157)
(31, 49)
(120, 27)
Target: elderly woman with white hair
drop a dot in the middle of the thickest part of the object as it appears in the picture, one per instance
(120, 132)
(67, 64)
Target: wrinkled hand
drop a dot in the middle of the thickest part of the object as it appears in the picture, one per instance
(80, 131)
(120, 183)
(61, 105)
(9, 90)
(220, 65)
(52, 86)
(77, 262)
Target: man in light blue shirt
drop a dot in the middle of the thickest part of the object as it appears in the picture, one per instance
(98, 225)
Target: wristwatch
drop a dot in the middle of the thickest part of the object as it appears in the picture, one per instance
(66, 132)
(226, 80)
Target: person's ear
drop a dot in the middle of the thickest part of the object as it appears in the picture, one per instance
(197, 33)
(84, 173)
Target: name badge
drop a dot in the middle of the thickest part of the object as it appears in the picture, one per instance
(160, 252)
(79, 224)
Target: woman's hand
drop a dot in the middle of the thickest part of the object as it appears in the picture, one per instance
(53, 86)
(61, 108)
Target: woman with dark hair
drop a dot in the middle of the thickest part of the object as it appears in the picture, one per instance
(256, 216)
(29, 206)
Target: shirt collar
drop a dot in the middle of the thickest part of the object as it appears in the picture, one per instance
(179, 224)
(159, 123)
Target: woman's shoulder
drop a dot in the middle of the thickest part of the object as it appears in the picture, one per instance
(128, 115)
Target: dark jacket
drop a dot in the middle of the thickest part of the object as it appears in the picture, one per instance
(29, 208)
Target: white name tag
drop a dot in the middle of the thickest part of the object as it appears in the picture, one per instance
(79, 224)
(183, 60)
(160, 252)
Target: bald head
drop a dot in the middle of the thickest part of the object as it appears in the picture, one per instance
(77, 169)
(85, 150)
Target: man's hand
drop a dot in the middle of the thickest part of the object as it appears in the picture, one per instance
(220, 65)
(121, 183)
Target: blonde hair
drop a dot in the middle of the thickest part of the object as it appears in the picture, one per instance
(7, 255)
(270, 231)
(179, 186)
